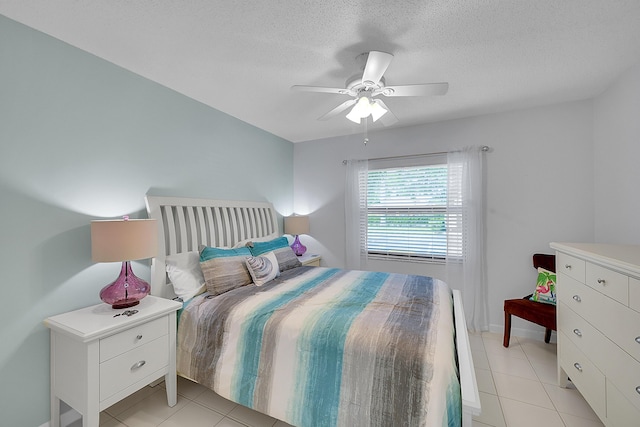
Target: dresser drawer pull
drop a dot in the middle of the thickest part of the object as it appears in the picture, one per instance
(638, 340)
(638, 389)
(577, 366)
(138, 365)
(577, 332)
(139, 337)
(567, 266)
(577, 298)
(601, 281)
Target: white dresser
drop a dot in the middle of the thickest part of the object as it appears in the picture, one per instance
(598, 311)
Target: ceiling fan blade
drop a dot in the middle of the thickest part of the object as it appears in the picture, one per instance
(427, 89)
(336, 90)
(377, 64)
(389, 118)
(339, 109)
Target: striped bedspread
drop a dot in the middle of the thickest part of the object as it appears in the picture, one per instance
(328, 347)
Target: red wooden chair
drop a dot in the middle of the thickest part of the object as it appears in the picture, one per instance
(533, 311)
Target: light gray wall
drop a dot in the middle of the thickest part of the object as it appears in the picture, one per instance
(539, 188)
(617, 161)
(81, 139)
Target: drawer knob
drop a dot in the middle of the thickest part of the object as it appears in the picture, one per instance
(567, 266)
(577, 298)
(601, 281)
(577, 332)
(578, 366)
(139, 337)
(638, 340)
(638, 389)
(138, 365)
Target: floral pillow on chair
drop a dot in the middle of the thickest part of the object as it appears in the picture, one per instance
(545, 287)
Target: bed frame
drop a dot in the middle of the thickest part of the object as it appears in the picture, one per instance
(187, 223)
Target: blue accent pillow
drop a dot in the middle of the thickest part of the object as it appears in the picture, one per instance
(224, 269)
(208, 253)
(259, 248)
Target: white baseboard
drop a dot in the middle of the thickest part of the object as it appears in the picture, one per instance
(66, 418)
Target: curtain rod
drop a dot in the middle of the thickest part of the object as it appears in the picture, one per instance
(484, 148)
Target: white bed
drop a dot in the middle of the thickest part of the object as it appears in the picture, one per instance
(188, 223)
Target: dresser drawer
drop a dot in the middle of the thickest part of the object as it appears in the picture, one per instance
(571, 266)
(624, 372)
(623, 328)
(583, 373)
(620, 412)
(122, 371)
(582, 299)
(132, 338)
(617, 322)
(609, 282)
(634, 294)
(585, 337)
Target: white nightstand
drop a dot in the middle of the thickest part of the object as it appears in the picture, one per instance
(310, 259)
(98, 359)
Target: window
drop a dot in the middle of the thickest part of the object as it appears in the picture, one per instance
(407, 211)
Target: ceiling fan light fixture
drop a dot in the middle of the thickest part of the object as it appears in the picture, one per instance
(377, 111)
(363, 107)
(354, 115)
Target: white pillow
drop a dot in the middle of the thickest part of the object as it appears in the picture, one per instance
(263, 268)
(185, 274)
(243, 243)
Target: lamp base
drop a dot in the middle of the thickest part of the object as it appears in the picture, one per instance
(124, 304)
(298, 248)
(126, 291)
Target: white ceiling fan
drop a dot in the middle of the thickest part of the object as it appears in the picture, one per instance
(365, 87)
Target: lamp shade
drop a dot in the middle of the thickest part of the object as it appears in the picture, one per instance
(296, 224)
(123, 239)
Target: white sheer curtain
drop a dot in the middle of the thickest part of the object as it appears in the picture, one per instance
(356, 214)
(465, 214)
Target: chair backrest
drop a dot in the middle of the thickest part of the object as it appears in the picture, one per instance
(546, 261)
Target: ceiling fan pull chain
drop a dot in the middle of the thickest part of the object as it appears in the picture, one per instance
(366, 130)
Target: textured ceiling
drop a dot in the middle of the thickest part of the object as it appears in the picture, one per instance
(242, 57)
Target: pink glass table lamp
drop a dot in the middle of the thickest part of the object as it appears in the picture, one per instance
(124, 240)
(296, 225)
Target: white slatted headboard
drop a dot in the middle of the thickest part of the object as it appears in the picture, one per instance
(187, 223)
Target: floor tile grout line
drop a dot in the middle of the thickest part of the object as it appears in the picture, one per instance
(538, 380)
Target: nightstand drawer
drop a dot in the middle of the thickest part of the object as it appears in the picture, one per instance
(571, 266)
(132, 338)
(126, 369)
(583, 373)
(609, 282)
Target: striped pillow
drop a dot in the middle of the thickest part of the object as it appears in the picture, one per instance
(263, 268)
(280, 246)
(224, 269)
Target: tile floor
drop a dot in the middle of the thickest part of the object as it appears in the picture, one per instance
(517, 388)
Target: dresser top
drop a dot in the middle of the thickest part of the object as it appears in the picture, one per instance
(621, 257)
(98, 321)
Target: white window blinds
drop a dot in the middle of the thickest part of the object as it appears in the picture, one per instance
(407, 210)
